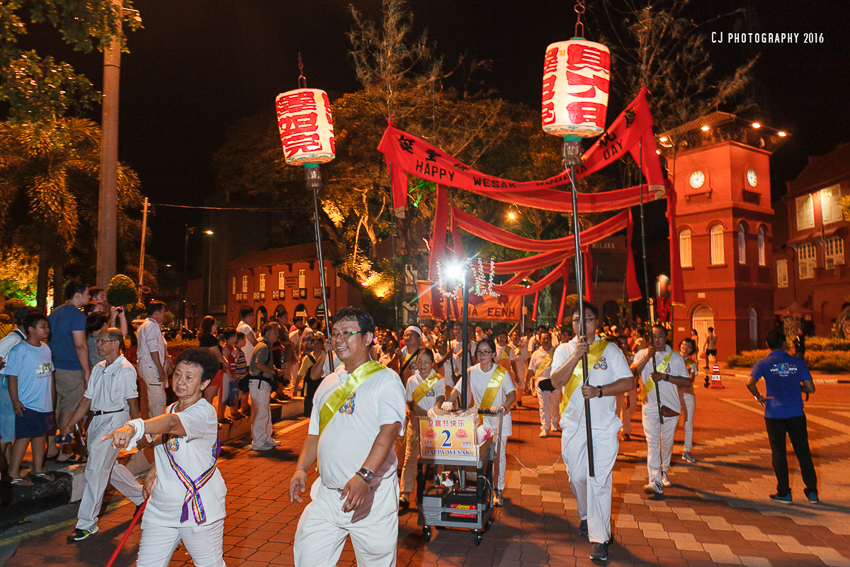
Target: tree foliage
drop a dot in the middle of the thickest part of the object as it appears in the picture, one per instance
(38, 88)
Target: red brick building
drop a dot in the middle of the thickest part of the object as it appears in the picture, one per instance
(810, 252)
(720, 169)
(264, 279)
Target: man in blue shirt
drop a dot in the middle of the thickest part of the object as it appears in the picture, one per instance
(70, 357)
(785, 377)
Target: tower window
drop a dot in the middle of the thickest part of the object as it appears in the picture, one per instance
(742, 244)
(717, 254)
(685, 248)
(762, 254)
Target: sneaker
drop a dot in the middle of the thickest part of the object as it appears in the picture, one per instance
(664, 482)
(498, 500)
(274, 444)
(688, 458)
(653, 488)
(403, 504)
(600, 552)
(544, 434)
(255, 447)
(80, 535)
(813, 497)
(784, 499)
(582, 528)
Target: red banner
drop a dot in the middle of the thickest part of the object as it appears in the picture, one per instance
(487, 308)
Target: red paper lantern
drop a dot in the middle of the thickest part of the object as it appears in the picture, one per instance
(576, 75)
(306, 126)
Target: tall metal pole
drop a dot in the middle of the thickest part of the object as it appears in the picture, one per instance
(646, 278)
(107, 213)
(464, 336)
(572, 157)
(142, 251)
(313, 176)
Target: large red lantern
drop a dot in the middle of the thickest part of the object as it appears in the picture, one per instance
(306, 126)
(576, 75)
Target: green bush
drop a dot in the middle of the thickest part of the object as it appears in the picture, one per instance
(823, 343)
(830, 361)
(121, 291)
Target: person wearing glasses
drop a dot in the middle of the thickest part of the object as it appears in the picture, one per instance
(113, 397)
(491, 387)
(660, 381)
(358, 412)
(608, 375)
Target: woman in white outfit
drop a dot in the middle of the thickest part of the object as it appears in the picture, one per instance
(185, 489)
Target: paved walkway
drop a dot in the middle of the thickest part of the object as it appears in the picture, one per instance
(717, 511)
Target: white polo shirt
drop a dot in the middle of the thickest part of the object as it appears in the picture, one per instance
(669, 392)
(478, 381)
(428, 401)
(111, 386)
(149, 340)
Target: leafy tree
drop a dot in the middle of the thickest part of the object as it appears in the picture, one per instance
(38, 88)
(49, 183)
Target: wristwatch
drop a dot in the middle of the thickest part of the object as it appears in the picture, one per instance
(366, 474)
(600, 391)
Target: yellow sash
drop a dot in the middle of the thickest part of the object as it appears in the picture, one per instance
(544, 365)
(407, 360)
(492, 388)
(593, 355)
(355, 380)
(649, 385)
(505, 354)
(426, 386)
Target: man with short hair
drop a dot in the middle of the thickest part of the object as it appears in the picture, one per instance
(661, 370)
(113, 398)
(70, 356)
(359, 411)
(548, 397)
(263, 372)
(245, 326)
(7, 414)
(786, 377)
(405, 358)
(608, 376)
(152, 356)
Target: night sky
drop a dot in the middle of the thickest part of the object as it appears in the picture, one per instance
(199, 66)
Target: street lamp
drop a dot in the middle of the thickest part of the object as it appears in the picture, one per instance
(209, 273)
(457, 271)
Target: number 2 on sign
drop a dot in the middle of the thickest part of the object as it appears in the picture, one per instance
(448, 435)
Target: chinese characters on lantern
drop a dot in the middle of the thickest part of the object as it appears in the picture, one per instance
(576, 76)
(306, 126)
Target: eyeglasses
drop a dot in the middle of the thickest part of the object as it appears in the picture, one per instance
(104, 341)
(483, 352)
(344, 335)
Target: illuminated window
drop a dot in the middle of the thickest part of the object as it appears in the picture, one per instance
(805, 212)
(717, 254)
(302, 278)
(762, 255)
(782, 273)
(685, 248)
(234, 285)
(830, 204)
(262, 282)
(833, 251)
(244, 284)
(742, 244)
(281, 280)
(807, 260)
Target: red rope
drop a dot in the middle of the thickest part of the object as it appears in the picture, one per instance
(127, 535)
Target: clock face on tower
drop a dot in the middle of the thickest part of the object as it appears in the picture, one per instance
(752, 178)
(697, 179)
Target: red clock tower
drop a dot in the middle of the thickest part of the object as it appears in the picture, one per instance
(721, 174)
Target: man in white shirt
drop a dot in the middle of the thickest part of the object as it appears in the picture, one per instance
(506, 358)
(246, 327)
(112, 396)
(356, 493)
(521, 356)
(661, 371)
(548, 397)
(609, 375)
(451, 363)
(152, 355)
(406, 357)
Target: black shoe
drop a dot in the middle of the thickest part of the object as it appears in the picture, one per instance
(582, 528)
(80, 535)
(403, 504)
(600, 552)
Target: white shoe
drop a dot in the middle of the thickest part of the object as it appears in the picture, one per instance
(554, 431)
(274, 444)
(256, 447)
(498, 500)
(544, 434)
(689, 458)
(653, 488)
(664, 482)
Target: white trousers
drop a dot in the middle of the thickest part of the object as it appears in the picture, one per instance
(659, 442)
(411, 456)
(261, 419)
(156, 389)
(625, 413)
(500, 480)
(101, 469)
(204, 544)
(323, 527)
(690, 405)
(522, 368)
(548, 403)
(592, 493)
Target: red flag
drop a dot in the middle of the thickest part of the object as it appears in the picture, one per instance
(588, 277)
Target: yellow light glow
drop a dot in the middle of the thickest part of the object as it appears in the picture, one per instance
(662, 139)
(658, 152)
(782, 134)
(756, 125)
(511, 216)
(704, 128)
(209, 232)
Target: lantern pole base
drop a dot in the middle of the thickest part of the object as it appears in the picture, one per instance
(313, 176)
(571, 152)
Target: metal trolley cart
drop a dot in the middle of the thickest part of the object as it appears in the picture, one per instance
(448, 446)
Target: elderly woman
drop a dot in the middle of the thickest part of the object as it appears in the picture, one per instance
(186, 490)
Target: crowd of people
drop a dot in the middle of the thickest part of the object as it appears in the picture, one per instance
(363, 388)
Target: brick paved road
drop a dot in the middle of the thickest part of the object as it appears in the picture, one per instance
(717, 512)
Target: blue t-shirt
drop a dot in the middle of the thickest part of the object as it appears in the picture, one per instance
(63, 321)
(34, 368)
(782, 375)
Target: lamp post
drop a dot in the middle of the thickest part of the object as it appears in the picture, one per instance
(209, 273)
(188, 230)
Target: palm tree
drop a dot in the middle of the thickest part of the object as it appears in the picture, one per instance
(46, 180)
